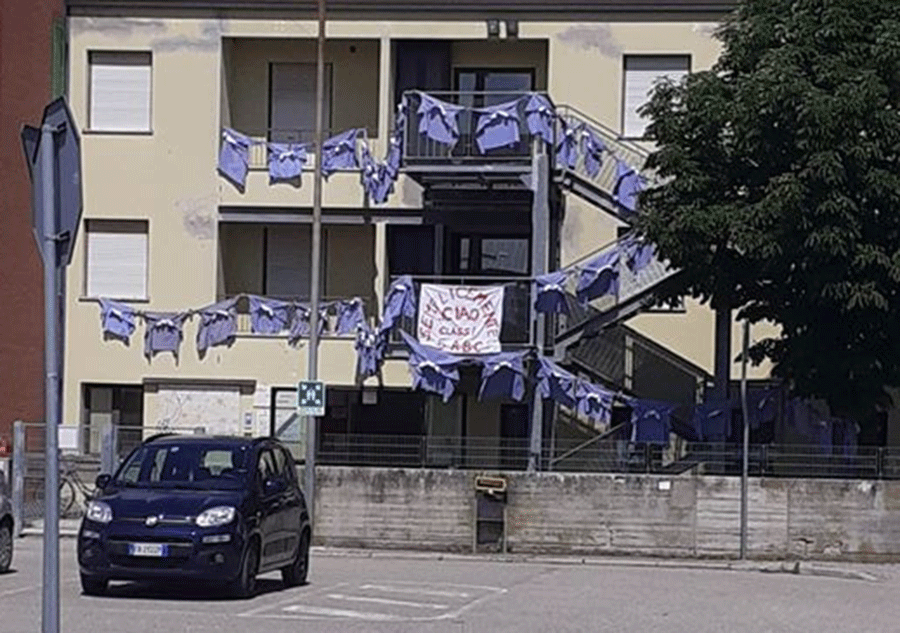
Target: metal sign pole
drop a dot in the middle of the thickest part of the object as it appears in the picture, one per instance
(50, 582)
(53, 159)
(746, 448)
(313, 352)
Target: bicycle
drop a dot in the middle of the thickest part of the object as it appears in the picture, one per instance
(72, 488)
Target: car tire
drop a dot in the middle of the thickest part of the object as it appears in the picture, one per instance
(93, 585)
(6, 547)
(244, 586)
(295, 574)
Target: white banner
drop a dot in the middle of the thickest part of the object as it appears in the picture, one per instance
(461, 319)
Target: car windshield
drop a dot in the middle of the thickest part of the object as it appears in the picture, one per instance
(187, 465)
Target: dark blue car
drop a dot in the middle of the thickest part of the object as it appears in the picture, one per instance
(211, 509)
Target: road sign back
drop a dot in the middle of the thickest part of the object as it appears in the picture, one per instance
(67, 179)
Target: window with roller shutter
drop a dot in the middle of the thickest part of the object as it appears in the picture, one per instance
(116, 259)
(641, 72)
(120, 91)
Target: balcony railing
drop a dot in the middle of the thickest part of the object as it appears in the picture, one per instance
(244, 321)
(515, 330)
(630, 152)
(259, 157)
(419, 149)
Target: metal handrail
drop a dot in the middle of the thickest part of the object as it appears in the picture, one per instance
(588, 442)
(608, 131)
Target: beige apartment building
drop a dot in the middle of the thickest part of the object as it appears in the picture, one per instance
(153, 88)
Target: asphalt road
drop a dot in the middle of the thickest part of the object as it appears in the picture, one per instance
(350, 592)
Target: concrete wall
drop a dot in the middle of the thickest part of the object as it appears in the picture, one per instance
(687, 516)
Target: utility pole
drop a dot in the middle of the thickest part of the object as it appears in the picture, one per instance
(313, 351)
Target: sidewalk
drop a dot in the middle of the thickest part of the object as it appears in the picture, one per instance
(68, 528)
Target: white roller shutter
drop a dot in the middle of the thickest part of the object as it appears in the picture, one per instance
(120, 91)
(641, 72)
(116, 259)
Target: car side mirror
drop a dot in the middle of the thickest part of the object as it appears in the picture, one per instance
(102, 481)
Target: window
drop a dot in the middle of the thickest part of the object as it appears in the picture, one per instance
(112, 405)
(641, 72)
(276, 260)
(288, 260)
(489, 255)
(292, 102)
(120, 91)
(265, 468)
(116, 259)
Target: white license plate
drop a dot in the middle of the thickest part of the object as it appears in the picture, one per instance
(147, 549)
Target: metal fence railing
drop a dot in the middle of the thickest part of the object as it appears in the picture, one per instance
(614, 453)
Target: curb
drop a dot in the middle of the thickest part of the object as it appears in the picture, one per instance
(785, 567)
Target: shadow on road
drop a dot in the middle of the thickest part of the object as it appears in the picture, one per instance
(182, 591)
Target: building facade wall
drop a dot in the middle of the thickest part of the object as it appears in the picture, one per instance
(168, 176)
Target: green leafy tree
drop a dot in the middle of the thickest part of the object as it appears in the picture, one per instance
(780, 194)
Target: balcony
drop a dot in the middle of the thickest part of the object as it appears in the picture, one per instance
(269, 94)
(427, 160)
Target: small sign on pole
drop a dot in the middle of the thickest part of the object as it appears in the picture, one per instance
(311, 398)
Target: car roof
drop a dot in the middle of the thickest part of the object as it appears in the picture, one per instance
(224, 440)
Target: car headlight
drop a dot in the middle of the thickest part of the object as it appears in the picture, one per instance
(99, 512)
(220, 515)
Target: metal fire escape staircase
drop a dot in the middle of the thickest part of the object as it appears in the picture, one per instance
(451, 171)
(635, 289)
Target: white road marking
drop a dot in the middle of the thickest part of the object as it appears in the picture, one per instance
(476, 595)
(386, 601)
(307, 594)
(342, 613)
(424, 592)
(12, 592)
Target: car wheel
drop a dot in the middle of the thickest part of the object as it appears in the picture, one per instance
(244, 586)
(93, 585)
(6, 547)
(295, 574)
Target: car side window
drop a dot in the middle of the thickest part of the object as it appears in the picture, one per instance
(290, 471)
(265, 467)
(279, 464)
